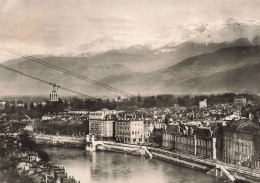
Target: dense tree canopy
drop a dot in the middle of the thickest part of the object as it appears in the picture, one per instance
(37, 111)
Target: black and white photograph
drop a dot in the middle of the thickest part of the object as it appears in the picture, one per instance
(129, 91)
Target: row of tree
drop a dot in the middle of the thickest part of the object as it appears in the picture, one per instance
(62, 128)
(140, 101)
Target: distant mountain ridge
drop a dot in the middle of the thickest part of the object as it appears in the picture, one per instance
(179, 78)
(196, 32)
(231, 69)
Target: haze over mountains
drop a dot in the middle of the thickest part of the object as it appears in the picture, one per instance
(199, 59)
(233, 69)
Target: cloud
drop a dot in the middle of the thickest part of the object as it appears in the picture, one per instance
(57, 24)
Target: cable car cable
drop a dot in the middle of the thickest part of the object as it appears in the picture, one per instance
(43, 81)
(65, 71)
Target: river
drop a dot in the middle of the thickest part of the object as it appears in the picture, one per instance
(112, 167)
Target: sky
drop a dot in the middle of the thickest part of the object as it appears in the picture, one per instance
(56, 26)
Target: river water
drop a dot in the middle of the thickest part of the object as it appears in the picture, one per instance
(112, 167)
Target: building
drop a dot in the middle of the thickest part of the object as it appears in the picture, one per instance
(241, 143)
(78, 112)
(107, 128)
(96, 115)
(185, 140)
(190, 138)
(95, 128)
(46, 117)
(95, 120)
(203, 103)
(148, 129)
(129, 129)
(206, 143)
(122, 130)
(137, 131)
(232, 117)
(240, 101)
(168, 136)
(159, 123)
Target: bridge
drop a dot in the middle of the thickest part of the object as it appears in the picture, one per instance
(221, 171)
(91, 144)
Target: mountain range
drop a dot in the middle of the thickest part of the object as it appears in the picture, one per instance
(192, 58)
(167, 38)
(217, 68)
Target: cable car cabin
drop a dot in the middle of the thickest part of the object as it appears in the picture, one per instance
(54, 96)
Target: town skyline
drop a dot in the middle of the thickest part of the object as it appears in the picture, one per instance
(217, 134)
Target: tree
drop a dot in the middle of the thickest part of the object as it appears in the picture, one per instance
(43, 155)
(32, 106)
(7, 106)
(119, 98)
(66, 103)
(27, 141)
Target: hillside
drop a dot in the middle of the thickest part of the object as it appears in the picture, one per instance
(233, 69)
(190, 75)
(240, 80)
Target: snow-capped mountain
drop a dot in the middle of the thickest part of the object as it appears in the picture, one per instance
(97, 44)
(197, 32)
(205, 33)
(161, 39)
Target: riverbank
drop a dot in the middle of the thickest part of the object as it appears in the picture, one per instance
(212, 167)
(59, 141)
(191, 161)
(139, 150)
(117, 167)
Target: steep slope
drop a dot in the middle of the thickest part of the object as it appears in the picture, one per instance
(241, 80)
(222, 69)
(179, 78)
(207, 64)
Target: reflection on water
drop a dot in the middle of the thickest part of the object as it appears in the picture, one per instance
(110, 167)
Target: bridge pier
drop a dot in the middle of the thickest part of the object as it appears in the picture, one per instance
(90, 147)
(221, 171)
(91, 143)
